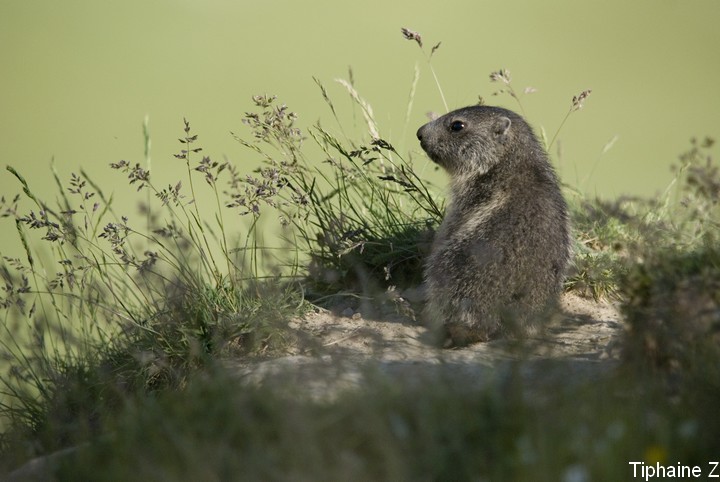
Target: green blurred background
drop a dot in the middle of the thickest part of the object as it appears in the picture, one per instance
(79, 76)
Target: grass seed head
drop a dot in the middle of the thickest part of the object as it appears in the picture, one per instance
(411, 35)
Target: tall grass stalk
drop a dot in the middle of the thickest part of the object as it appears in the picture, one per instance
(417, 38)
(361, 215)
(157, 293)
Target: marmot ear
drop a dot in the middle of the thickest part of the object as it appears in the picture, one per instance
(502, 126)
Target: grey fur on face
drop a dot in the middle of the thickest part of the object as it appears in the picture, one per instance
(499, 256)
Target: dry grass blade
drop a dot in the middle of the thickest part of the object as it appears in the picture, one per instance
(366, 108)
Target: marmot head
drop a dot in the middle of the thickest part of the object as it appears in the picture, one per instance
(473, 139)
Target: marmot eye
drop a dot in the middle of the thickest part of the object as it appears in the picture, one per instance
(457, 126)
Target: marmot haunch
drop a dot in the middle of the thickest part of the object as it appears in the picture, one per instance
(499, 257)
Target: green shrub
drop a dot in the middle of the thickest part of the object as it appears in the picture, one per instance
(671, 303)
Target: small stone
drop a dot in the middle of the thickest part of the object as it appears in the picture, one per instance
(347, 312)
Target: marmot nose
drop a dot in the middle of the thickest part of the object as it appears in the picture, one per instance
(419, 134)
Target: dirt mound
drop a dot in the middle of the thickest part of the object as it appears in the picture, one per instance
(337, 350)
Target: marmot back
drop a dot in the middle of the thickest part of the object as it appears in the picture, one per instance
(499, 257)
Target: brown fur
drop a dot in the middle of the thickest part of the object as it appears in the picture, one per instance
(499, 256)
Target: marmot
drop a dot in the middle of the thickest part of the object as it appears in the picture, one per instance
(499, 257)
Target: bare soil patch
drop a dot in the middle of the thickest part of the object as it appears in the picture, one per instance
(339, 349)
